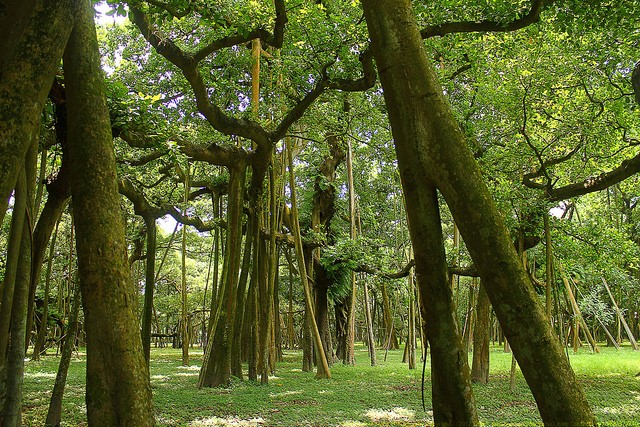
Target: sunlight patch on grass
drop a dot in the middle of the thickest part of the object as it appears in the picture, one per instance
(227, 422)
(190, 367)
(185, 374)
(160, 378)
(350, 423)
(39, 374)
(394, 414)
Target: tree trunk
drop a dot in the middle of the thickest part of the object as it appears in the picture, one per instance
(321, 358)
(390, 341)
(480, 365)
(12, 413)
(11, 269)
(149, 286)
(411, 327)
(321, 303)
(184, 306)
(216, 365)
(54, 413)
(118, 388)
(244, 305)
(549, 267)
(38, 347)
(350, 340)
(367, 311)
(431, 147)
(34, 48)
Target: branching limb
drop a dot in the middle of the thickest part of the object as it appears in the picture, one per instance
(486, 26)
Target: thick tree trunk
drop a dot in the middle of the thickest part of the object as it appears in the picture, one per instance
(321, 303)
(341, 309)
(430, 146)
(34, 49)
(216, 365)
(480, 365)
(118, 388)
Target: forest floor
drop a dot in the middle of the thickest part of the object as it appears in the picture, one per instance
(385, 395)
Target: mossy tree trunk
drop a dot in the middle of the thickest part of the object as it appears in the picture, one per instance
(216, 365)
(118, 388)
(431, 149)
(36, 36)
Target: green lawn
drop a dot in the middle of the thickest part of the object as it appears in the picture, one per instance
(385, 395)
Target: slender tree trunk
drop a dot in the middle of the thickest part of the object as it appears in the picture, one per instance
(12, 413)
(272, 264)
(411, 326)
(54, 413)
(149, 286)
(243, 304)
(38, 347)
(350, 340)
(367, 312)
(11, 269)
(549, 267)
(480, 365)
(118, 388)
(184, 307)
(431, 147)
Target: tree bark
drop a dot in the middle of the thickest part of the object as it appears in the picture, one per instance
(431, 147)
(216, 365)
(118, 388)
(34, 53)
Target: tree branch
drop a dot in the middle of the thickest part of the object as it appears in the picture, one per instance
(486, 26)
(626, 169)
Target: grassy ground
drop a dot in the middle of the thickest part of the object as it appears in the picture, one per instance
(385, 395)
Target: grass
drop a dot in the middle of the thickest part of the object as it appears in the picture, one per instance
(384, 395)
